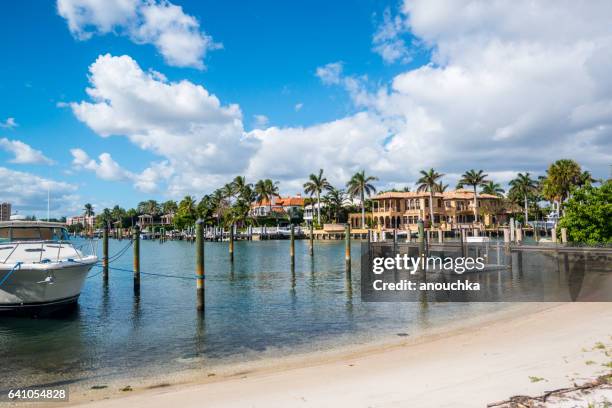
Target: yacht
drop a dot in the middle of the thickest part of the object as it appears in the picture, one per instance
(39, 266)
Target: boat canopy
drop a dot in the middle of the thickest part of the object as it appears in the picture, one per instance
(32, 231)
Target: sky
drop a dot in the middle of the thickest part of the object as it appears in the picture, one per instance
(117, 101)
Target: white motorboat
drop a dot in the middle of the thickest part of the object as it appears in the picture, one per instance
(39, 266)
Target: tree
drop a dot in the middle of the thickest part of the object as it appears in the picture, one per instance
(492, 188)
(522, 186)
(88, 210)
(359, 186)
(315, 185)
(475, 179)
(429, 182)
(117, 214)
(588, 213)
(561, 177)
(169, 207)
(266, 190)
(186, 213)
(334, 200)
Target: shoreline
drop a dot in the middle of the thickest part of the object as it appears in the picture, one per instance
(147, 390)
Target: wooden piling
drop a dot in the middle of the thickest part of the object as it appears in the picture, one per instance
(506, 236)
(440, 235)
(231, 242)
(311, 239)
(136, 244)
(199, 265)
(512, 226)
(347, 247)
(519, 235)
(292, 246)
(553, 235)
(105, 254)
(564, 235)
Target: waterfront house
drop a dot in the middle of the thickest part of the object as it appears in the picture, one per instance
(87, 221)
(279, 206)
(451, 210)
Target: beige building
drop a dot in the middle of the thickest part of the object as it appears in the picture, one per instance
(5, 211)
(86, 221)
(452, 210)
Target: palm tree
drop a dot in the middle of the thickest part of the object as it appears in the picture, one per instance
(429, 182)
(335, 200)
(441, 187)
(561, 177)
(522, 186)
(475, 179)
(492, 188)
(315, 186)
(359, 186)
(169, 207)
(239, 185)
(88, 210)
(265, 190)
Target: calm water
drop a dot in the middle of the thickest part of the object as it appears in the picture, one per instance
(255, 308)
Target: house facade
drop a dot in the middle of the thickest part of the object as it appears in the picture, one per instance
(87, 221)
(451, 210)
(278, 206)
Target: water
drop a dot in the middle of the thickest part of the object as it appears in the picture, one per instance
(255, 308)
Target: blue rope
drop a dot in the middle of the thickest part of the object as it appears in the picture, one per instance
(8, 275)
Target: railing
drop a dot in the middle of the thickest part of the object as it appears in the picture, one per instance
(79, 250)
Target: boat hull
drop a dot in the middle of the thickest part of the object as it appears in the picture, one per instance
(43, 286)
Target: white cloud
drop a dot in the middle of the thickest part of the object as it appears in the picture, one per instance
(507, 91)
(24, 154)
(106, 168)
(9, 123)
(28, 193)
(298, 106)
(176, 35)
(387, 40)
(260, 121)
(330, 74)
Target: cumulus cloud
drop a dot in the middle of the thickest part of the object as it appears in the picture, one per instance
(9, 123)
(511, 87)
(106, 168)
(179, 121)
(176, 35)
(260, 121)
(23, 153)
(387, 40)
(28, 193)
(330, 74)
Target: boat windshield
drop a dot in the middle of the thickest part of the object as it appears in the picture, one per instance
(8, 234)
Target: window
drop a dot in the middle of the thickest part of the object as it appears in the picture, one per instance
(4, 234)
(25, 234)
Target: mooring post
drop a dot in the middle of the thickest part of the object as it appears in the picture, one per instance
(311, 239)
(292, 246)
(105, 253)
(553, 235)
(136, 244)
(564, 235)
(512, 225)
(199, 265)
(506, 236)
(231, 242)
(519, 235)
(347, 247)
(440, 236)
(421, 237)
(462, 238)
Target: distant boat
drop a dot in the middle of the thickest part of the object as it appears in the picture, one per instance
(39, 266)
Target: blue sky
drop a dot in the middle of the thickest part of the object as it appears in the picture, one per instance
(388, 115)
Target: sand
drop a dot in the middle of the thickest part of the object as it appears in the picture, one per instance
(529, 352)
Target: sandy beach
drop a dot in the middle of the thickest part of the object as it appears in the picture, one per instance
(523, 353)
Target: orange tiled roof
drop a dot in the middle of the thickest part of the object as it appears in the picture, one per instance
(282, 202)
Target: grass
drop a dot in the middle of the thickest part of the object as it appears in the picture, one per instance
(535, 379)
(589, 362)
